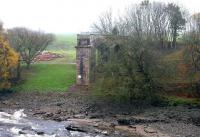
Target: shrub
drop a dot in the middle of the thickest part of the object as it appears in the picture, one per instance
(8, 61)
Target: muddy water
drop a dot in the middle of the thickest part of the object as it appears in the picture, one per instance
(18, 124)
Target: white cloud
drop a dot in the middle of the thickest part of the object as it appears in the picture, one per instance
(64, 16)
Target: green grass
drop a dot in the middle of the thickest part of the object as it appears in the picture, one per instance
(64, 44)
(174, 100)
(47, 78)
(175, 56)
(69, 39)
(55, 75)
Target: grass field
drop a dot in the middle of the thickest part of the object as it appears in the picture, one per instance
(47, 78)
(55, 75)
(64, 44)
(174, 100)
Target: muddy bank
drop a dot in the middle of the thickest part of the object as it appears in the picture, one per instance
(104, 114)
(18, 124)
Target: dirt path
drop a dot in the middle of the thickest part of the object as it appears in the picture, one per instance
(81, 106)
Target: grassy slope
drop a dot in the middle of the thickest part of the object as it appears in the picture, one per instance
(174, 100)
(177, 97)
(65, 45)
(63, 42)
(48, 77)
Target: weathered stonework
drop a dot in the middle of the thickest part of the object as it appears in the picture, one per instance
(86, 58)
(83, 52)
(88, 45)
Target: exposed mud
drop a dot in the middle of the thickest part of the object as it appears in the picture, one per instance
(107, 116)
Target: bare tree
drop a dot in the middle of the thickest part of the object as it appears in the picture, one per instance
(177, 21)
(29, 43)
(192, 39)
(105, 23)
(136, 61)
(160, 22)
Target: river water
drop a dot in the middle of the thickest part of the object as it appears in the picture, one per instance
(18, 124)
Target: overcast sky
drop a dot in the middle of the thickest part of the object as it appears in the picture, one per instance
(66, 16)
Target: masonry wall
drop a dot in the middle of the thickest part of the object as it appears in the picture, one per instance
(83, 53)
(86, 58)
(83, 65)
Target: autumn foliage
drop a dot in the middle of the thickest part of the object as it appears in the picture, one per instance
(8, 61)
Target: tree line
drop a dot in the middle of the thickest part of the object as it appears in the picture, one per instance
(132, 59)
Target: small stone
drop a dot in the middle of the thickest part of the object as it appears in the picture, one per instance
(75, 128)
(96, 116)
(79, 116)
(49, 115)
(149, 130)
(16, 103)
(21, 132)
(105, 132)
(125, 113)
(114, 116)
(59, 104)
(58, 119)
(27, 128)
(96, 125)
(123, 122)
(58, 112)
(131, 126)
(40, 132)
(112, 125)
(39, 113)
(6, 102)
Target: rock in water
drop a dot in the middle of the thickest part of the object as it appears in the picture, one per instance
(75, 128)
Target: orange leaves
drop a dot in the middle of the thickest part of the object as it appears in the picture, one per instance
(12, 58)
(8, 60)
(5, 85)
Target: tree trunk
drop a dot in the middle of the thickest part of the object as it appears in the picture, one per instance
(19, 70)
(28, 65)
(174, 39)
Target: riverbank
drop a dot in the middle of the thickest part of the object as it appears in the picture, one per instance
(84, 108)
